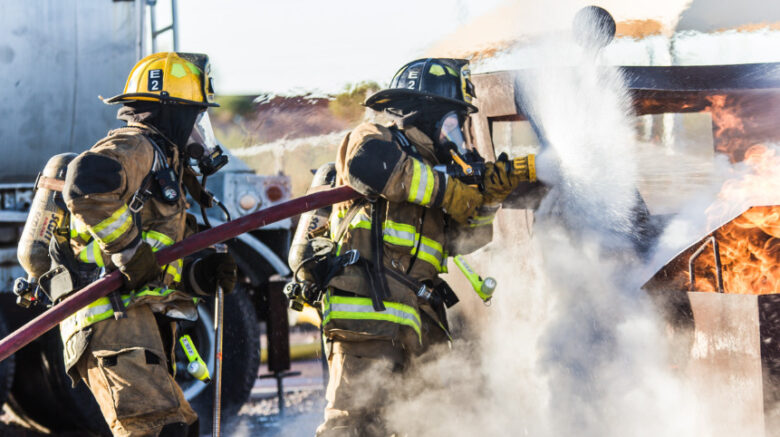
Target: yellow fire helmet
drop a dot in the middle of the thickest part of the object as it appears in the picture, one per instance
(171, 78)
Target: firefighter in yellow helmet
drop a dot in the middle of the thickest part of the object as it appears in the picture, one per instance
(126, 200)
(390, 306)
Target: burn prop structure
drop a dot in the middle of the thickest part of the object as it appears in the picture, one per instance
(51, 318)
(731, 290)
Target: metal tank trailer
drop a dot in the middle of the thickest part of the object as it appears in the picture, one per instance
(725, 324)
(56, 69)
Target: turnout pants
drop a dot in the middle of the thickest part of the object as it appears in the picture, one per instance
(361, 374)
(126, 368)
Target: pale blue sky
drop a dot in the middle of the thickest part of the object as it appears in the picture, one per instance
(280, 46)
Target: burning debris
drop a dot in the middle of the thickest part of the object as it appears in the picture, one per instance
(741, 253)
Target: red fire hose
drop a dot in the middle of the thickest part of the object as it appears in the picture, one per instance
(51, 318)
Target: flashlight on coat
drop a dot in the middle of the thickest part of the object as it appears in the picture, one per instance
(483, 287)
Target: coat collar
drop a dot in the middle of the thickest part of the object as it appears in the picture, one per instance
(422, 142)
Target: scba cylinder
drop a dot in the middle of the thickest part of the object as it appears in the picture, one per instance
(311, 223)
(44, 218)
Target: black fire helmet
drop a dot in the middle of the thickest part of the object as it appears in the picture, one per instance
(424, 81)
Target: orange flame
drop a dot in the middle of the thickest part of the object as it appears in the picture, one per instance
(750, 243)
(741, 121)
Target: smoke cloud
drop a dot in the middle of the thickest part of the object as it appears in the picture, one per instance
(571, 345)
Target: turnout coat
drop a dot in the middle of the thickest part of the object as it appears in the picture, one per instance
(394, 168)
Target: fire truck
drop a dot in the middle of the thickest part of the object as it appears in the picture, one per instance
(57, 57)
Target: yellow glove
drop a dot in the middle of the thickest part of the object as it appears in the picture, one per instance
(503, 176)
(460, 200)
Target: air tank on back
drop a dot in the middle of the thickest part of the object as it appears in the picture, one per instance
(312, 223)
(45, 217)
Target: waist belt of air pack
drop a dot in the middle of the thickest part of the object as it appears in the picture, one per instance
(437, 295)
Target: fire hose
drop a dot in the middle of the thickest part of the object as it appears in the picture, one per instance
(113, 281)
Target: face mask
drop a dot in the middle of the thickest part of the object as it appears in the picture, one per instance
(204, 147)
(450, 133)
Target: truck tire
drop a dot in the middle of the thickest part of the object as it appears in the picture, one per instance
(41, 386)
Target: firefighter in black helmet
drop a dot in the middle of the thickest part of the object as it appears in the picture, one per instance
(390, 306)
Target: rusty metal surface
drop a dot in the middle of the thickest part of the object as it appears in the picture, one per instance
(495, 93)
(654, 89)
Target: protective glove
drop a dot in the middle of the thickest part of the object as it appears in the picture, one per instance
(503, 176)
(460, 200)
(141, 269)
(212, 270)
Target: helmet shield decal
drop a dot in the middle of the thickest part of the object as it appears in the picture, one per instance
(409, 77)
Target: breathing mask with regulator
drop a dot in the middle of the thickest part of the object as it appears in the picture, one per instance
(204, 152)
(204, 148)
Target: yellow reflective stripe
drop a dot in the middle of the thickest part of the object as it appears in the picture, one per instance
(428, 185)
(157, 292)
(113, 227)
(79, 229)
(157, 240)
(416, 170)
(83, 255)
(399, 234)
(119, 231)
(422, 183)
(481, 220)
(174, 269)
(100, 310)
(430, 251)
(361, 308)
(91, 254)
(361, 221)
(405, 235)
(97, 311)
(96, 254)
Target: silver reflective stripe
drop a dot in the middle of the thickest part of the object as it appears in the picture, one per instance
(156, 244)
(423, 184)
(350, 308)
(360, 219)
(91, 248)
(105, 234)
(407, 237)
(431, 251)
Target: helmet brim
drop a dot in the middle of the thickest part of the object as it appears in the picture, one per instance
(404, 99)
(131, 97)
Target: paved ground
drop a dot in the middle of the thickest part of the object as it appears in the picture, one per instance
(260, 416)
(304, 402)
